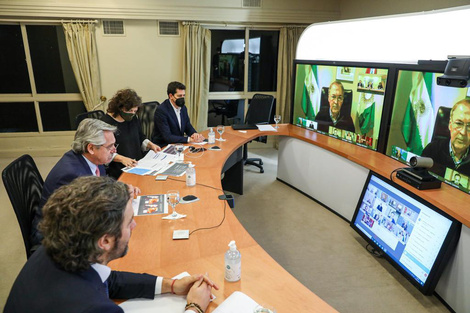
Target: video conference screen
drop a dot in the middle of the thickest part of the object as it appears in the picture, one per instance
(431, 121)
(340, 101)
(416, 237)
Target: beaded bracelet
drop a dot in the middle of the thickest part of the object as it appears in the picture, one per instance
(194, 305)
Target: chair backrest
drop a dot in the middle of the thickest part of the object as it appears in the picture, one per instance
(260, 109)
(145, 115)
(23, 184)
(441, 125)
(92, 114)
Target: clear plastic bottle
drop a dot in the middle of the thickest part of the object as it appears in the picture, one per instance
(211, 139)
(190, 175)
(233, 263)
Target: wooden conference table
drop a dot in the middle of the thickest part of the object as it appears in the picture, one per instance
(152, 249)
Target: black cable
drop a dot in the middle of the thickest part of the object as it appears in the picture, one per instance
(225, 206)
(396, 170)
(212, 227)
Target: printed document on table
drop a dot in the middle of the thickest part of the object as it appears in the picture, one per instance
(266, 128)
(152, 163)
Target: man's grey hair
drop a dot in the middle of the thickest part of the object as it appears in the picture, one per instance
(463, 102)
(91, 131)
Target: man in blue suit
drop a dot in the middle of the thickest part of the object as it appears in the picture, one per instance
(92, 147)
(171, 119)
(87, 224)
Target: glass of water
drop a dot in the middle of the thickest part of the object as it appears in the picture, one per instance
(173, 198)
(220, 130)
(277, 119)
(264, 309)
(179, 148)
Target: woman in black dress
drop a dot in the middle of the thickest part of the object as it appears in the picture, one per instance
(121, 112)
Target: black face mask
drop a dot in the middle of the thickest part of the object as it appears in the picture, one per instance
(179, 102)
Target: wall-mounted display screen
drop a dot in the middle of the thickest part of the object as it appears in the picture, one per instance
(415, 236)
(432, 121)
(345, 102)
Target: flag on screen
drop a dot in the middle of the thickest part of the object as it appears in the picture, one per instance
(371, 71)
(366, 112)
(419, 118)
(311, 93)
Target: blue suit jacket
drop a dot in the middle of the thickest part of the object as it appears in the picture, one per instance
(69, 167)
(43, 287)
(166, 128)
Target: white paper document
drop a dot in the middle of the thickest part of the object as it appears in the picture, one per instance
(237, 302)
(266, 128)
(160, 304)
(152, 163)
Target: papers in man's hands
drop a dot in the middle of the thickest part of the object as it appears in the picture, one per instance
(154, 163)
(238, 302)
(266, 128)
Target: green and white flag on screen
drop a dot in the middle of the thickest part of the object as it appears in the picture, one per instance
(366, 112)
(311, 93)
(418, 121)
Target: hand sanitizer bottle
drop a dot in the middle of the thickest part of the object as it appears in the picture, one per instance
(190, 175)
(233, 263)
(211, 139)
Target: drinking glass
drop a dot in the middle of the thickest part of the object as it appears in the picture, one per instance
(277, 119)
(264, 309)
(220, 130)
(173, 198)
(179, 148)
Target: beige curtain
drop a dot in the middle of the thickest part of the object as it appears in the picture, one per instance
(81, 47)
(288, 39)
(196, 72)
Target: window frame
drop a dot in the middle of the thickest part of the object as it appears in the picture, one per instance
(35, 97)
(245, 94)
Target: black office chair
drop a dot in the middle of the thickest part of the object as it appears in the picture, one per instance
(24, 183)
(260, 111)
(145, 115)
(92, 114)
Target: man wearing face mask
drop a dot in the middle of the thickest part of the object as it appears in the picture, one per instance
(171, 118)
(130, 140)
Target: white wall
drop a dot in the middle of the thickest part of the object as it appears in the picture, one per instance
(367, 8)
(141, 60)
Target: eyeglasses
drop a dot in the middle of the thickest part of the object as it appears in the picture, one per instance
(335, 97)
(110, 147)
(459, 125)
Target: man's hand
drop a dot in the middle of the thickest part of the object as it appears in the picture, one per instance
(197, 137)
(200, 293)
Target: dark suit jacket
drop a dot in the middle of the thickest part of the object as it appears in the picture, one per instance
(69, 167)
(166, 128)
(324, 121)
(43, 287)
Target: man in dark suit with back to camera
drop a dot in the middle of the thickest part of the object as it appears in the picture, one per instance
(332, 116)
(92, 147)
(87, 224)
(453, 153)
(171, 119)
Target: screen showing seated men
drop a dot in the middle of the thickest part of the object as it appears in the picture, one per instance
(340, 101)
(432, 121)
(414, 236)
